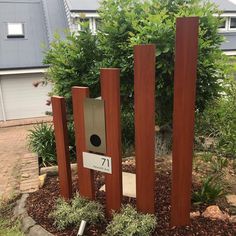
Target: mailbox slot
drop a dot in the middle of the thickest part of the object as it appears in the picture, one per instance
(95, 126)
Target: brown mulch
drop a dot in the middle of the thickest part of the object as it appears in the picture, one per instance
(41, 203)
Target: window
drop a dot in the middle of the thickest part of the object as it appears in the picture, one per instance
(97, 24)
(81, 22)
(233, 23)
(15, 30)
(228, 24)
(84, 22)
(223, 24)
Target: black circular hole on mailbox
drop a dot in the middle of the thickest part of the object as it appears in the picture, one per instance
(95, 140)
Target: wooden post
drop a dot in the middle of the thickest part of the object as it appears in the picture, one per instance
(110, 90)
(62, 147)
(85, 176)
(183, 118)
(144, 91)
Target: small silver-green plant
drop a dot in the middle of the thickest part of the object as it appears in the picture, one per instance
(129, 223)
(61, 214)
(71, 213)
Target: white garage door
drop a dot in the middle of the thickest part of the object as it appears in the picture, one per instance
(21, 99)
(1, 113)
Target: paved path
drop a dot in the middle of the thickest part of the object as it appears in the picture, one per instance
(13, 146)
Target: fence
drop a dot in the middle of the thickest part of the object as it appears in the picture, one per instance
(144, 91)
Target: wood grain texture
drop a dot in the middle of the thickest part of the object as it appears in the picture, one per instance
(85, 176)
(183, 118)
(110, 90)
(62, 146)
(144, 91)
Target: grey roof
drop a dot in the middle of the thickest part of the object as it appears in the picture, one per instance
(55, 15)
(93, 5)
(226, 5)
(40, 18)
(83, 5)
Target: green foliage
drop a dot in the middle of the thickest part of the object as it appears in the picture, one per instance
(76, 61)
(126, 23)
(218, 120)
(61, 214)
(127, 121)
(206, 156)
(68, 214)
(209, 192)
(234, 166)
(71, 138)
(129, 222)
(41, 140)
(8, 226)
(218, 164)
(72, 63)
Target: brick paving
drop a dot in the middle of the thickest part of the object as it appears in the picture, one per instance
(13, 147)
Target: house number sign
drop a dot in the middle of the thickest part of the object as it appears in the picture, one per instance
(97, 162)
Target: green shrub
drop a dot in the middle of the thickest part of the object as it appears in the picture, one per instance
(9, 226)
(209, 192)
(206, 156)
(218, 164)
(41, 140)
(72, 63)
(218, 120)
(127, 129)
(68, 214)
(130, 22)
(71, 139)
(129, 222)
(76, 60)
(61, 214)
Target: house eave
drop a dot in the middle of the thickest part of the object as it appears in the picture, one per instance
(83, 11)
(26, 70)
(230, 52)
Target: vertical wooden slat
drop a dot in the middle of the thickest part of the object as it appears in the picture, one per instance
(144, 91)
(183, 118)
(62, 147)
(85, 176)
(110, 90)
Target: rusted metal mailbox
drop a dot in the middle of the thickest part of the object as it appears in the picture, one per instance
(95, 128)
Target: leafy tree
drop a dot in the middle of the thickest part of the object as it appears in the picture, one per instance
(218, 120)
(124, 23)
(72, 62)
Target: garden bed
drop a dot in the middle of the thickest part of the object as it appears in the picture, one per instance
(41, 203)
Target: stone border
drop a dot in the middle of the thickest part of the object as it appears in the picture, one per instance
(28, 226)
